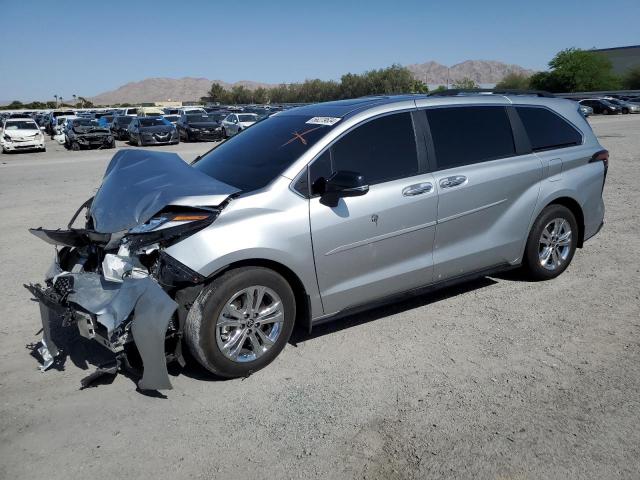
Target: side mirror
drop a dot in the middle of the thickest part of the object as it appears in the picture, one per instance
(343, 184)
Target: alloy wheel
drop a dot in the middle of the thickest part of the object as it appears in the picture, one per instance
(249, 324)
(554, 246)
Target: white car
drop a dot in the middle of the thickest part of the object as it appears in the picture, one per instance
(234, 123)
(193, 110)
(21, 134)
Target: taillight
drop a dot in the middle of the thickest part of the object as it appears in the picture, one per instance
(601, 156)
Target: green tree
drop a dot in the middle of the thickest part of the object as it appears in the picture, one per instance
(514, 80)
(217, 93)
(261, 95)
(465, 83)
(576, 70)
(631, 80)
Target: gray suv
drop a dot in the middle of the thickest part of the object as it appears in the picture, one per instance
(314, 213)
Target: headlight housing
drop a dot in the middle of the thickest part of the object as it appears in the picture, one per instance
(167, 228)
(7, 138)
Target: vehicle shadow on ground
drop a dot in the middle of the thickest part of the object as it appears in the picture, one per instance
(84, 353)
(410, 302)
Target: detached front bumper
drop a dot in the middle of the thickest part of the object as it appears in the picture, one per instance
(113, 313)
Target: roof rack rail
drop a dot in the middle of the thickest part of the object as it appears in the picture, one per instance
(500, 91)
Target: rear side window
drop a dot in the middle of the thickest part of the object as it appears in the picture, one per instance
(383, 149)
(547, 130)
(467, 135)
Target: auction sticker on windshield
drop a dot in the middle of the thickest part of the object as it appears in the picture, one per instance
(323, 120)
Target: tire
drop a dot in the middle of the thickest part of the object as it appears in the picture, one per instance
(75, 146)
(224, 133)
(204, 337)
(551, 218)
(625, 111)
(605, 112)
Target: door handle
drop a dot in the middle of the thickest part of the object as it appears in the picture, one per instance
(417, 189)
(454, 181)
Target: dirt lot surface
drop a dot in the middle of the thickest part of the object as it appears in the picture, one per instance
(497, 379)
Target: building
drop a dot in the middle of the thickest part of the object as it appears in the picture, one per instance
(622, 59)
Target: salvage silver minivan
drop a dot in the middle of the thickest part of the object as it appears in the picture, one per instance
(316, 212)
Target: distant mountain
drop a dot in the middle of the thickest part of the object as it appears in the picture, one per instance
(165, 89)
(481, 71)
(190, 89)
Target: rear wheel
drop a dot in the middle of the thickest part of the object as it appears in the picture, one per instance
(552, 243)
(605, 112)
(75, 146)
(241, 321)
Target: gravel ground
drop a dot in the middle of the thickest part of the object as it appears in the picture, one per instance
(498, 379)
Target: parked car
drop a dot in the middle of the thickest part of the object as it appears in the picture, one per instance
(198, 126)
(120, 127)
(601, 106)
(21, 134)
(317, 212)
(150, 112)
(171, 118)
(585, 110)
(60, 124)
(626, 107)
(53, 119)
(171, 111)
(105, 121)
(234, 123)
(87, 133)
(193, 110)
(130, 111)
(152, 131)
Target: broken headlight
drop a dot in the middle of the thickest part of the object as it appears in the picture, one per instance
(167, 228)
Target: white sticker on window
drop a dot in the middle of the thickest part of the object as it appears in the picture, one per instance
(323, 120)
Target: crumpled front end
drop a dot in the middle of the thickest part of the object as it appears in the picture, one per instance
(113, 280)
(115, 299)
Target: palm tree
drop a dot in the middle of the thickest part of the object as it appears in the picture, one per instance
(56, 97)
(74, 98)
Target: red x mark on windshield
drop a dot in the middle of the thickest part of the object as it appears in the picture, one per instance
(300, 136)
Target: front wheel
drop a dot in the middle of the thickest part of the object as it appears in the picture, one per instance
(552, 243)
(241, 321)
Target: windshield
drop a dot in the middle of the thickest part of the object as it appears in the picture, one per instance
(253, 158)
(123, 120)
(172, 118)
(218, 116)
(199, 118)
(247, 117)
(152, 122)
(85, 122)
(21, 125)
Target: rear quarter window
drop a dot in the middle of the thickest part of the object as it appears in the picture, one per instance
(547, 130)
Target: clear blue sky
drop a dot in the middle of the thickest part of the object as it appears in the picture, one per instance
(87, 47)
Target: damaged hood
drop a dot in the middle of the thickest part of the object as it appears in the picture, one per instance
(138, 184)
